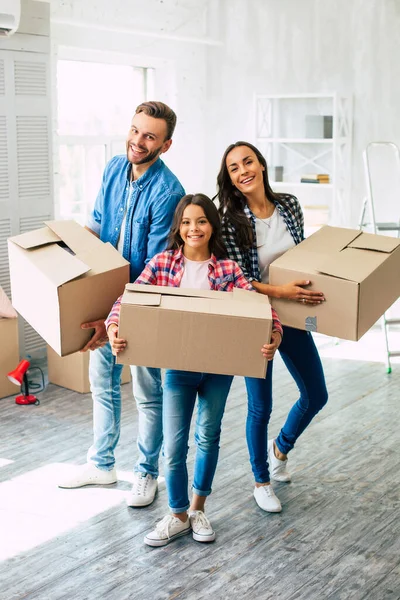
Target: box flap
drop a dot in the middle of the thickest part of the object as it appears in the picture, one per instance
(58, 265)
(36, 238)
(171, 291)
(379, 243)
(351, 264)
(103, 257)
(141, 299)
(74, 235)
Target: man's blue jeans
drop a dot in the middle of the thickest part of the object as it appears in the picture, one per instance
(105, 380)
(180, 391)
(301, 357)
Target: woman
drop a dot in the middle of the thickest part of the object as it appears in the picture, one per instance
(195, 259)
(258, 226)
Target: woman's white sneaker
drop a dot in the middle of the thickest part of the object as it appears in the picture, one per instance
(201, 527)
(277, 468)
(266, 499)
(167, 530)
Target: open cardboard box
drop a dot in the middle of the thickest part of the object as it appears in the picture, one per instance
(72, 372)
(61, 276)
(195, 330)
(358, 272)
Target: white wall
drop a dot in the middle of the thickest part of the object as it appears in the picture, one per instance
(213, 56)
(308, 46)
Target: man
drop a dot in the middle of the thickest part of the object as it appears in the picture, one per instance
(133, 211)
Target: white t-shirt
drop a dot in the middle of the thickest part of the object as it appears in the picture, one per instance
(195, 274)
(273, 240)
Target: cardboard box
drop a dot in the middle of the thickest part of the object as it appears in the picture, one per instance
(62, 276)
(357, 272)
(195, 330)
(9, 355)
(72, 372)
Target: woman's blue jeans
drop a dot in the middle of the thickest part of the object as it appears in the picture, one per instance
(180, 391)
(301, 357)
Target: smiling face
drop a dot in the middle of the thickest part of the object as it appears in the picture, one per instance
(146, 139)
(195, 230)
(245, 170)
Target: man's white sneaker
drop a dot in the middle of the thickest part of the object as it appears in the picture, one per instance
(143, 490)
(201, 527)
(89, 474)
(277, 468)
(266, 499)
(167, 530)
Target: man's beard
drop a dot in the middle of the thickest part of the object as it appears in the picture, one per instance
(148, 157)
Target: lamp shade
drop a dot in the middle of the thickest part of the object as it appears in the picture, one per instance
(17, 376)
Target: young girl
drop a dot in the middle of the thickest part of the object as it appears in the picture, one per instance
(195, 259)
(258, 226)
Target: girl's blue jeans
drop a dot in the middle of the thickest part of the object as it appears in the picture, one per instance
(180, 391)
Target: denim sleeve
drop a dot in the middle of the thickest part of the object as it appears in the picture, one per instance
(161, 221)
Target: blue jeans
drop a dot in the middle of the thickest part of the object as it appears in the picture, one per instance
(105, 382)
(180, 391)
(301, 357)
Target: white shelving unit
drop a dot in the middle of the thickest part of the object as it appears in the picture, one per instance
(282, 138)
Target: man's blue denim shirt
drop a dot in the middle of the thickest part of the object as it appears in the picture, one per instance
(149, 214)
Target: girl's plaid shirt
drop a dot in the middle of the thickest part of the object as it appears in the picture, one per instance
(167, 269)
(248, 260)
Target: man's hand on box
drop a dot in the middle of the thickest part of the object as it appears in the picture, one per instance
(99, 337)
(117, 344)
(295, 291)
(268, 350)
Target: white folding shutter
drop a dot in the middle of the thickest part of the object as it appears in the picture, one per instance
(26, 190)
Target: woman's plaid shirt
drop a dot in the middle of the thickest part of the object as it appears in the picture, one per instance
(167, 269)
(248, 260)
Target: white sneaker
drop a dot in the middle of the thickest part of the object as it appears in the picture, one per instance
(201, 527)
(167, 530)
(266, 499)
(89, 474)
(143, 490)
(277, 468)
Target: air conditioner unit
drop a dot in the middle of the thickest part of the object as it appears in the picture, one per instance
(10, 14)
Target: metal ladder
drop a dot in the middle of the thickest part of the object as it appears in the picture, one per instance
(382, 177)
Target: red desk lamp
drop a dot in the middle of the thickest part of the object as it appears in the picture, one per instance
(19, 377)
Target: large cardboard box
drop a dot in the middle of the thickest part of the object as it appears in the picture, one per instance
(62, 276)
(72, 372)
(357, 272)
(195, 330)
(9, 355)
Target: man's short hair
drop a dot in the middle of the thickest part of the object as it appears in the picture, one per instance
(159, 110)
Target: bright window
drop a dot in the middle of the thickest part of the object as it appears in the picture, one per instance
(96, 103)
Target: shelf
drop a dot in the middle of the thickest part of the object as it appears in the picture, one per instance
(292, 184)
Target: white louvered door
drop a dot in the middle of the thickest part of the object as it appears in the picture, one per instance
(25, 158)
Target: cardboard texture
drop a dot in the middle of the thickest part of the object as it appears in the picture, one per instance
(9, 355)
(357, 272)
(72, 372)
(62, 276)
(195, 330)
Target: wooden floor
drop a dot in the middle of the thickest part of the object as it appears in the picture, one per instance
(338, 535)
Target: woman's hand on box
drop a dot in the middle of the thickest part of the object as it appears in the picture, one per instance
(295, 291)
(99, 337)
(117, 344)
(268, 350)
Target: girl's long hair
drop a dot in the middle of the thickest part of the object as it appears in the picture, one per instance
(216, 245)
(232, 201)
